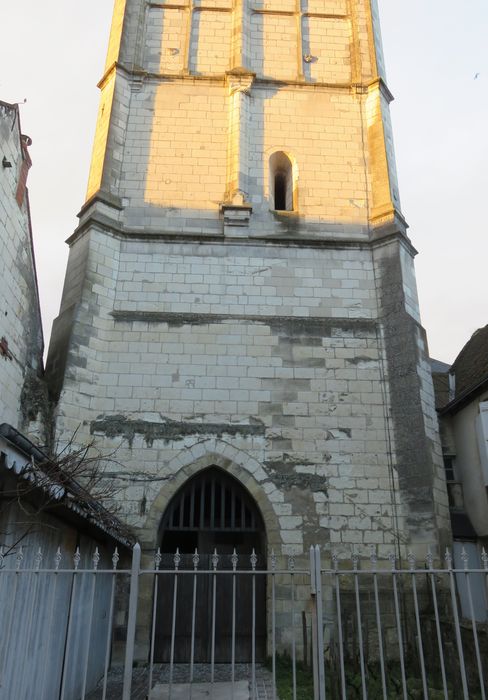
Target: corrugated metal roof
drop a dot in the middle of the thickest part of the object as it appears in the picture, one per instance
(71, 495)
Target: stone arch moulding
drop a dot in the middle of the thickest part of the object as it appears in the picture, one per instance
(237, 463)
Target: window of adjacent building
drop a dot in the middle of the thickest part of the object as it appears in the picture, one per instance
(482, 438)
(282, 182)
(449, 468)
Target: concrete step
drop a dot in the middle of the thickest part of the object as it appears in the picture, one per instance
(202, 691)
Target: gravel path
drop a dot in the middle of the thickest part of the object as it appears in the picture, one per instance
(181, 672)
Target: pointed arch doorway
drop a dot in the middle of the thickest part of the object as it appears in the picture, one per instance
(212, 511)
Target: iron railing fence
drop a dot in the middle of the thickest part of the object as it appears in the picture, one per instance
(355, 627)
(394, 631)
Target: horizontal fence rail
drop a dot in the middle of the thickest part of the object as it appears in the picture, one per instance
(97, 627)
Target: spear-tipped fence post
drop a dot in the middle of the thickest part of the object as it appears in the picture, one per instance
(131, 623)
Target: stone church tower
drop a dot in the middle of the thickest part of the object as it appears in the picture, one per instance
(240, 294)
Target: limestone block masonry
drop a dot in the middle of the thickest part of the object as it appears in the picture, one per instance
(22, 396)
(201, 324)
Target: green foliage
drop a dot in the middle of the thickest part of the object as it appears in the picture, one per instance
(284, 679)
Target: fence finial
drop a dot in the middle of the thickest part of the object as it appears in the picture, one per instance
(38, 559)
(254, 560)
(273, 560)
(177, 558)
(19, 558)
(196, 559)
(234, 559)
(291, 562)
(215, 559)
(373, 556)
(115, 558)
(411, 560)
(392, 557)
(57, 559)
(355, 559)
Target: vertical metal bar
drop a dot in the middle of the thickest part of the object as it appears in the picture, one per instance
(57, 561)
(313, 601)
(76, 561)
(191, 522)
(196, 560)
(355, 562)
(222, 506)
(411, 561)
(464, 557)
(202, 503)
(131, 623)
(108, 646)
(291, 567)
(273, 620)
(215, 561)
(157, 563)
(320, 625)
(234, 560)
(392, 558)
(335, 564)
(374, 562)
(457, 628)
(96, 559)
(430, 560)
(253, 640)
(177, 560)
(212, 506)
(182, 510)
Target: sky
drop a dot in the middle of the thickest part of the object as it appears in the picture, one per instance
(52, 54)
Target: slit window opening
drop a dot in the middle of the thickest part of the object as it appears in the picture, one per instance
(280, 191)
(282, 184)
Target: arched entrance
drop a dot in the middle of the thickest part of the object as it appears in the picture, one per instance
(212, 511)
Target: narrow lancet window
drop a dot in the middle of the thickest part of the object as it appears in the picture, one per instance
(282, 183)
(280, 191)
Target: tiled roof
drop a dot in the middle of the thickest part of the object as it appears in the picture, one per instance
(471, 365)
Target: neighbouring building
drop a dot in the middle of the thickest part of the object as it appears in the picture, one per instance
(239, 317)
(462, 403)
(43, 518)
(22, 403)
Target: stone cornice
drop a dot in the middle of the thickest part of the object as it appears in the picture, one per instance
(103, 197)
(105, 224)
(258, 81)
(380, 84)
(180, 319)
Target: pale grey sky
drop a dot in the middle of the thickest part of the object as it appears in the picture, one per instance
(52, 53)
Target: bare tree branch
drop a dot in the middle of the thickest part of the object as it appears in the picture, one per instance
(72, 475)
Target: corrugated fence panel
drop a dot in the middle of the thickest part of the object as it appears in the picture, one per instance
(35, 609)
